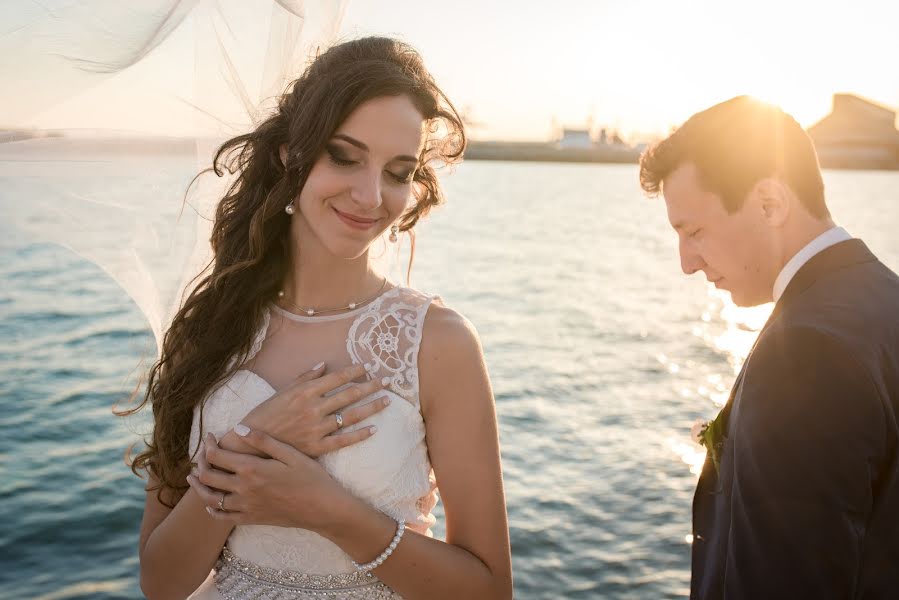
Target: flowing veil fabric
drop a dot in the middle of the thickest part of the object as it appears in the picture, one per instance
(215, 67)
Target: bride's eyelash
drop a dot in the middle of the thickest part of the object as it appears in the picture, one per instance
(405, 178)
(337, 157)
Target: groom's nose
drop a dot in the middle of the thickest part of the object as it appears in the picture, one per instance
(690, 262)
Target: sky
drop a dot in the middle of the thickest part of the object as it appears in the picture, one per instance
(519, 69)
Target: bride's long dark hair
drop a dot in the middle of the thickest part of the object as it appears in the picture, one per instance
(250, 243)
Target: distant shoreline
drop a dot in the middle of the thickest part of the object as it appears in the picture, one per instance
(12, 142)
(550, 152)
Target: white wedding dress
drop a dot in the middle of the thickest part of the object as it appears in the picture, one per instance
(390, 470)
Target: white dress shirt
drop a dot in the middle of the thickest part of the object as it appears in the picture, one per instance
(832, 236)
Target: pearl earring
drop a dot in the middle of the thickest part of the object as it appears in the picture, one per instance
(289, 209)
(393, 230)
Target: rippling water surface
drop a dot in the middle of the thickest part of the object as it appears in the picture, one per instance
(602, 355)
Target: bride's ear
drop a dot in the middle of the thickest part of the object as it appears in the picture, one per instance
(282, 151)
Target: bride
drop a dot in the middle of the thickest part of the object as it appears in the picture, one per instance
(305, 407)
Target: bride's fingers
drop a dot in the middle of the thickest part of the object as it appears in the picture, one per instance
(207, 495)
(212, 498)
(213, 477)
(336, 441)
(351, 395)
(233, 462)
(313, 373)
(277, 449)
(357, 414)
(334, 380)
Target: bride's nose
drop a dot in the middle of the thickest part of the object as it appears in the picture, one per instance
(366, 190)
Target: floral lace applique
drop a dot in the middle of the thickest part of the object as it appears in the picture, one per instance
(386, 338)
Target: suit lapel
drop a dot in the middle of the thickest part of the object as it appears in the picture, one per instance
(838, 256)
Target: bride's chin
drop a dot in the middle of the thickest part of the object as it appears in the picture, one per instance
(348, 251)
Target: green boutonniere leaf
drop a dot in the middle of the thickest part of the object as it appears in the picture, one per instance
(711, 434)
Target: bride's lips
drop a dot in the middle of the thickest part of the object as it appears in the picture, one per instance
(356, 222)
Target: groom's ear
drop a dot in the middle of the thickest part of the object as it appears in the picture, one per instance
(774, 200)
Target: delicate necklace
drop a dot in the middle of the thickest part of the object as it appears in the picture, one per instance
(312, 311)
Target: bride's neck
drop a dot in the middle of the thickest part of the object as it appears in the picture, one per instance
(318, 279)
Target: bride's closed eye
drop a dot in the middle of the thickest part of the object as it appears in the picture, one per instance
(337, 157)
(403, 178)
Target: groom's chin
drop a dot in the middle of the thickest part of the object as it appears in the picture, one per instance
(747, 300)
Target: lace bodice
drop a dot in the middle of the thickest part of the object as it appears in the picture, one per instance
(390, 470)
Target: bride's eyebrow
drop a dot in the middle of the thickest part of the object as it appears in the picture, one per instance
(361, 145)
(350, 140)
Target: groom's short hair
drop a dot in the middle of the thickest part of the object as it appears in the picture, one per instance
(734, 145)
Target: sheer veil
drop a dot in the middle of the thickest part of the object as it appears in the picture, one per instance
(212, 68)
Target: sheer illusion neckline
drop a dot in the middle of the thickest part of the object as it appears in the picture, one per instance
(325, 318)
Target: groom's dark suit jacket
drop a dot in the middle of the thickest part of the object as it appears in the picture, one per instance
(806, 502)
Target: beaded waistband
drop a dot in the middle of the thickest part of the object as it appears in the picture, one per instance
(237, 579)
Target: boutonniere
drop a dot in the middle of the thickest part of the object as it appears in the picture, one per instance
(711, 434)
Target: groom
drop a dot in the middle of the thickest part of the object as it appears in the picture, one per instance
(799, 496)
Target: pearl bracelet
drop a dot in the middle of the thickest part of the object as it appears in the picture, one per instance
(400, 528)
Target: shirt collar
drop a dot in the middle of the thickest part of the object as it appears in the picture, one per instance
(832, 236)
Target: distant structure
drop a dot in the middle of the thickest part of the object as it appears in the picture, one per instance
(566, 144)
(607, 138)
(575, 138)
(857, 134)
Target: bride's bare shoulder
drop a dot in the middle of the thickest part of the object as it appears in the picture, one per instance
(445, 329)
(450, 352)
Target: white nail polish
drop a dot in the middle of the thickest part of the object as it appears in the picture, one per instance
(241, 430)
(210, 511)
(385, 381)
(372, 430)
(318, 366)
(385, 400)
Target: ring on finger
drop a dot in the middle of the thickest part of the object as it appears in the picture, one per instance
(339, 418)
(222, 502)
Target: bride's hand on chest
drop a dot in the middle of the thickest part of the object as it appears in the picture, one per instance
(309, 416)
(287, 490)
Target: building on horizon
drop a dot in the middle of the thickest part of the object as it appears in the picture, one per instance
(857, 134)
(575, 138)
(569, 138)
